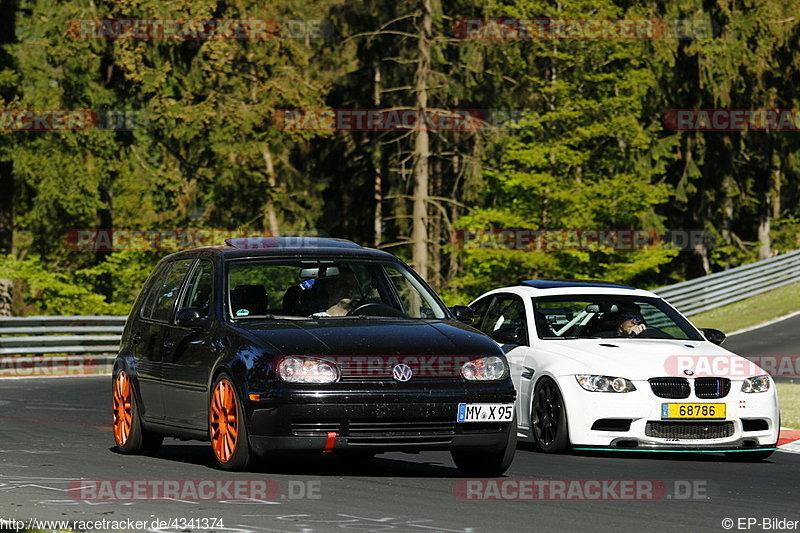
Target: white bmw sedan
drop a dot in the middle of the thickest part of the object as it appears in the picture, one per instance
(602, 366)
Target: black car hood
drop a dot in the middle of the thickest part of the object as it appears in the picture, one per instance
(371, 337)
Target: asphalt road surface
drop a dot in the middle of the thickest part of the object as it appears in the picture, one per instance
(56, 436)
(780, 338)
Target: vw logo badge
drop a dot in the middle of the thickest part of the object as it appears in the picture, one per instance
(688, 372)
(402, 372)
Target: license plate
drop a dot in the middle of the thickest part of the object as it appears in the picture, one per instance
(692, 410)
(485, 412)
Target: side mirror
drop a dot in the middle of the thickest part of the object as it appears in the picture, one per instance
(188, 316)
(463, 313)
(507, 335)
(713, 335)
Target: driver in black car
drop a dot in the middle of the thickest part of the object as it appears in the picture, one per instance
(341, 290)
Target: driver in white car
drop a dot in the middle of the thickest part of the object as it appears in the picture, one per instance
(625, 321)
(630, 321)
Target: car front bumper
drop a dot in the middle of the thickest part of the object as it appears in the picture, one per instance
(744, 412)
(411, 418)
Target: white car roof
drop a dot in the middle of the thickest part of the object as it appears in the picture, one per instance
(547, 288)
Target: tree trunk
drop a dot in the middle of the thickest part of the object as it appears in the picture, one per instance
(775, 185)
(105, 214)
(269, 209)
(6, 207)
(436, 230)
(377, 220)
(767, 208)
(419, 214)
(728, 191)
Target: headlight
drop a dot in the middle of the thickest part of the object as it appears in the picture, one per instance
(756, 384)
(604, 383)
(307, 370)
(490, 368)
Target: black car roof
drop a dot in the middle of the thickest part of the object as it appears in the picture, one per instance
(290, 247)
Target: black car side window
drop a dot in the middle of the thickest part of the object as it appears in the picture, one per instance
(200, 290)
(152, 291)
(166, 292)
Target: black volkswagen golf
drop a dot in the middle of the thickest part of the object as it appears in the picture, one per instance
(307, 345)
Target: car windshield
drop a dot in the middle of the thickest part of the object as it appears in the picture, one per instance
(600, 316)
(321, 289)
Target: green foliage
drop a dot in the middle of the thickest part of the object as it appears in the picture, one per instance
(590, 151)
(59, 291)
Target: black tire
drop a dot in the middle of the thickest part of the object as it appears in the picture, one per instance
(241, 457)
(549, 425)
(749, 457)
(490, 463)
(139, 441)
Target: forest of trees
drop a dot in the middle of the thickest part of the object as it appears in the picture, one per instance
(584, 143)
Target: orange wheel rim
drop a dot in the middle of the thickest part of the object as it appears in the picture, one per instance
(122, 407)
(224, 424)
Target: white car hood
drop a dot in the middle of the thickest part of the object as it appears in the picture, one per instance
(634, 359)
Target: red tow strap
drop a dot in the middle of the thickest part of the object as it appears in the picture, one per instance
(329, 444)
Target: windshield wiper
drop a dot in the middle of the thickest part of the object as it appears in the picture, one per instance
(269, 317)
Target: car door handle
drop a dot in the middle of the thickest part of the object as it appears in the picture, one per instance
(137, 338)
(169, 344)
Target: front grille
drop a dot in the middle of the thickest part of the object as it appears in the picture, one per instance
(391, 432)
(689, 430)
(314, 429)
(712, 387)
(401, 432)
(670, 387)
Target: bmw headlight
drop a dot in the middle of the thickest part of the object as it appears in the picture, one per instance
(604, 383)
(307, 370)
(490, 368)
(756, 384)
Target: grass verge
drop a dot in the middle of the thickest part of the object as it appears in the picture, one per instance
(752, 311)
(789, 398)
